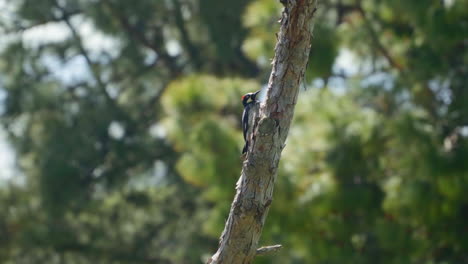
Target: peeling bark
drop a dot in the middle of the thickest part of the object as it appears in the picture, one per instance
(239, 240)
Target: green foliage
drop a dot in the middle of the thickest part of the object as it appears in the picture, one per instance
(226, 36)
(261, 17)
(126, 127)
(323, 52)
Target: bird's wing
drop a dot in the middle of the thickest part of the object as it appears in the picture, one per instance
(245, 121)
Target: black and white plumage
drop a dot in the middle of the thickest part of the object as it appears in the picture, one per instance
(248, 101)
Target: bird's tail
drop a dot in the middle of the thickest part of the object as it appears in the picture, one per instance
(246, 146)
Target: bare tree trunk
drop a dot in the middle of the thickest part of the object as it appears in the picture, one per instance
(239, 240)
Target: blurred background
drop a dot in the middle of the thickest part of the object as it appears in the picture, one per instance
(120, 131)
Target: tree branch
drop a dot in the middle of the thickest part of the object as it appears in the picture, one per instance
(21, 28)
(95, 72)
(268, 249)
(254, 196)
(157, 45)
(375, 38)
(189, 46)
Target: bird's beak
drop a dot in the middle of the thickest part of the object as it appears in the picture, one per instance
(254, 95)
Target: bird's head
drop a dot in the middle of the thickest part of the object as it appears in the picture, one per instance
(248, 98)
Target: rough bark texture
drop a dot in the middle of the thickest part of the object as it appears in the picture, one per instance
(239, 240)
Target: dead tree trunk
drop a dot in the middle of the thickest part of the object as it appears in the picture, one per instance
(239, 240)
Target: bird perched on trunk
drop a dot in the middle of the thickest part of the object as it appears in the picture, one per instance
(248, 100)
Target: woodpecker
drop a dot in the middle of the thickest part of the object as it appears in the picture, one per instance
(248, 101)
